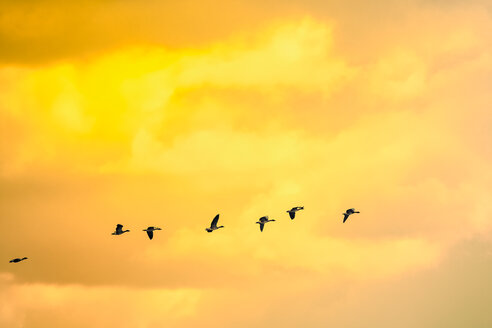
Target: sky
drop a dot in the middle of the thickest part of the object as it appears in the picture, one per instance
(159, 113)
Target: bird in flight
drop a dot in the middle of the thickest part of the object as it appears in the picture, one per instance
(262, 221)
(213, 225)
(119, 230)
(348, 213)
(17, 260)
(293, 210)
(150, 231)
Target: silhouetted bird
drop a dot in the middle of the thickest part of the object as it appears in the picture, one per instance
(292, 212)
(213, 225)
(348, 213)
(150, 231)
(119, 230)
(262, 221)
(17, 260)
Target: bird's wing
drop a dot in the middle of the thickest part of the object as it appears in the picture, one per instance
(292, 215)
(119, 227)
(261, 226)
(345, 217)
(214, 221)
(150, 233)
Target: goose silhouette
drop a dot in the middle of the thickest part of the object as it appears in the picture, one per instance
(119, 230)
(213, 225)
(150, 231)
(262, 221)
(293, 210)
(17, 260)
(348, 213)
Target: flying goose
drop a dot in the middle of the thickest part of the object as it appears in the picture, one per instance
(292, 212)
(262, 221)
(150, 231)
(17, 260)
(213, 225)
(349, 212)
(119, 230)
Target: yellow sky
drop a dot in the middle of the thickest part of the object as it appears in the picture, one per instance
(154, 113)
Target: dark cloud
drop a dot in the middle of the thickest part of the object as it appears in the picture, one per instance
(33, 32)
(36, 32)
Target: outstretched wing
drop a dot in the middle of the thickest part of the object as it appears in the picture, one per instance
(292, 215)
(150, 233)
(345, 217)
(119, 228)
(214, 221)
(261, 226)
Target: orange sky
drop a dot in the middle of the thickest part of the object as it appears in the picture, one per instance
(150, 113)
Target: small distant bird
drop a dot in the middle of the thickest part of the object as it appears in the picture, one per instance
(17, 260)
(348, 213)
(119, 230)
(213, 225)
(150, 231)
(262, 221)
(292, 212)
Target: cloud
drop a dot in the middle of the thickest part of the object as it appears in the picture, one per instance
(413, 298)
(94, 27)
(41, 305)
(180, 114)
(127, 95)
(245, 126)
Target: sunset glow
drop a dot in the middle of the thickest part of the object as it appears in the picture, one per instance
(150, 113)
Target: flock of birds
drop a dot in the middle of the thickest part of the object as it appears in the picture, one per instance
(213, 225)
